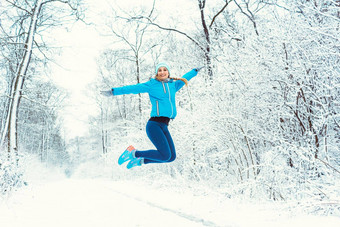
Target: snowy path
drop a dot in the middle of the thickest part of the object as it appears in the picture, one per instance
(103, 203)
(88, 203)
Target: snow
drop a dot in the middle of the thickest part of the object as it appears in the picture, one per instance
(53, 199)
(252, 99)
(83, 203)
(105, 202)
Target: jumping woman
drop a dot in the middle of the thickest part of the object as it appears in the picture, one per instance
(162, 90)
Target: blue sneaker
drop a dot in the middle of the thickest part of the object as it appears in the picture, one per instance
(127, 155)
(135, 162)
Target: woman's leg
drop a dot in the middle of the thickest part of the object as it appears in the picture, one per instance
(171, 144)
(159, 135)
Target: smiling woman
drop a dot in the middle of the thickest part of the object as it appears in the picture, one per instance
(162, 90)
(163, 73)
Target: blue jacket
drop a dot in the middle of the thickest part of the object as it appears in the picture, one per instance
(162, 94)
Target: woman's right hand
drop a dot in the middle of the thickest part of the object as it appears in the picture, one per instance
(106, 93)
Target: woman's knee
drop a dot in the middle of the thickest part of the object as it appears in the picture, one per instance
(166, 155)
(172, 158)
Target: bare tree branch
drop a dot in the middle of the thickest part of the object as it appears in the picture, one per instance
(153, 8)
(219, 12)
(139, 46)
(250, 15)
(201, 6)
(19, 7)
(327, 164)
(124, 39)
(169, 29)
(61, 1)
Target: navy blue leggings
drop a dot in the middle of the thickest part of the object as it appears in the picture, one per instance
(159, 135)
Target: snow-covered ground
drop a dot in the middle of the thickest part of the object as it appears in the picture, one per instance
(104, 202)
(53, 199)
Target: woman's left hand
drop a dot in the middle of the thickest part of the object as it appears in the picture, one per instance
(198, 68)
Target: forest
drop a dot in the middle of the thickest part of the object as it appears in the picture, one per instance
(261, 120)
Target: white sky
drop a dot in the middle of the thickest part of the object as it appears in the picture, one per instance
(77, 71)
(77, 68)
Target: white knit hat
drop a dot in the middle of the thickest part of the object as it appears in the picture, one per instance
(162, 64)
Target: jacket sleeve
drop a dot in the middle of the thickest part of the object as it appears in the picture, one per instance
(189, 75)
(132, 89)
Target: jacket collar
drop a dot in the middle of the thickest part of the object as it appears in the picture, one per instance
(168, 80)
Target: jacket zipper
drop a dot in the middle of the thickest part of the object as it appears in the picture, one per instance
(164, 87)
(172, 108)
(157, 108)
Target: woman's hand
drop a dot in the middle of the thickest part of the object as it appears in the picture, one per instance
(106, 93)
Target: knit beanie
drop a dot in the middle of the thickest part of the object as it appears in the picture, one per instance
(162, 64)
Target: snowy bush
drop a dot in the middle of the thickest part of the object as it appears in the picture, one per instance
(11, 176)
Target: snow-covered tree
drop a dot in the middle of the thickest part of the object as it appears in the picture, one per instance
(22, 31)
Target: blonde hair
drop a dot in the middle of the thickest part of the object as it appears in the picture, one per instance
(182, 79)
(177, 78)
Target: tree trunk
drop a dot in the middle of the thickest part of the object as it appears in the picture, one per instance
(201, 5)
(18, 82)
(5, 121)
(138, 81)
(103, 131)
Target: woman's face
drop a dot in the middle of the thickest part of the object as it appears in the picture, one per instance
(162, 73)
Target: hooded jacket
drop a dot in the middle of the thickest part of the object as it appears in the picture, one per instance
(161, 94)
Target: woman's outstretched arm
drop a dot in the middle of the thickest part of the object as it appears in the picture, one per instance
(129, 89)
(188, 76)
